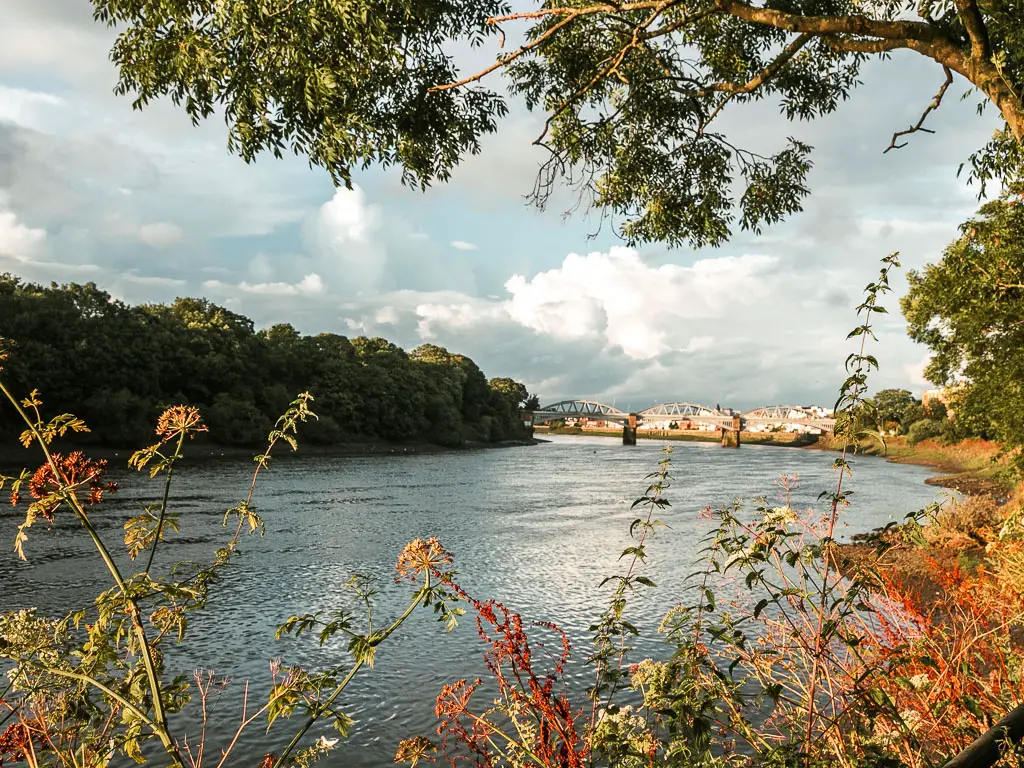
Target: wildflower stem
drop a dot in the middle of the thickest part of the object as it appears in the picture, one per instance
(159, 717)
(518, 743)
(14, 707)
(652, 500)
(823, 597)
(109, 692)
(164, 500)
(854, 397)
(373, 642)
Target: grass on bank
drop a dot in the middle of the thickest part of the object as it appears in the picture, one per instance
(972, 466)
(977, 535)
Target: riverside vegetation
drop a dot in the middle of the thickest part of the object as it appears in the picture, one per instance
(823, 659)
(195, 352)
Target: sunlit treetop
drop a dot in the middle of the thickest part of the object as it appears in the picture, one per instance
(632, 92)
(968, 308)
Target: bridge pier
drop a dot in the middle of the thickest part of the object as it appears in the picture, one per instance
(527, 417)
(629, 430)
(731, 435)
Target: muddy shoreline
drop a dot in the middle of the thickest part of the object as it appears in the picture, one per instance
(957, 535)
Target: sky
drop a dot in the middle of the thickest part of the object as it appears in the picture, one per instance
(150, 207)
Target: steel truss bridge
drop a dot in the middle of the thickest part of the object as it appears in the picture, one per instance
(770, 416)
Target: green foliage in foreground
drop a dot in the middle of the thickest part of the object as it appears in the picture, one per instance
(119, 366)
(969, 310)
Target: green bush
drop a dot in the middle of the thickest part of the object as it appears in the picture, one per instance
(236, 421)
(924, 429)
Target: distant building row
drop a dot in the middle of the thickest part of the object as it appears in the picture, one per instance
(778, 419)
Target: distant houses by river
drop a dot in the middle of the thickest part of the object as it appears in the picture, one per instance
(791, 419)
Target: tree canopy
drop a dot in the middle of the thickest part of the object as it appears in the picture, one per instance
(891, 404)
(969, 310)
(119, 366)
(631, 91)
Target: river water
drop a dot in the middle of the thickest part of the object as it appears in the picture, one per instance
(535, 527)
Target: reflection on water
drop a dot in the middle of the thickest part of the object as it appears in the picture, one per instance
(537, 528)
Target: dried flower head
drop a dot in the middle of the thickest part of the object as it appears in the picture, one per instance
(73, 471)
(178, 420)
(420, 557)
(453, 700)
(16, 741)
(414, 750)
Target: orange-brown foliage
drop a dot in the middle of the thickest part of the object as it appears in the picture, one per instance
(949, 658)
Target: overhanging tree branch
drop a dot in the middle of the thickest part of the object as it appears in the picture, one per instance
(853, 33)
(506, 60)
(765, 74)
(919, 125)
(734, 89)
(832, 25)
(859, 45)
(976, 30)
(571, 15)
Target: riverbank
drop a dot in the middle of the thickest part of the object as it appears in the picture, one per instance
(14, 457)
(962, 536)
(787, 439)
(970, 467)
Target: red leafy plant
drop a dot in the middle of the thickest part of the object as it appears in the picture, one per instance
(531, 718)
(529, 701)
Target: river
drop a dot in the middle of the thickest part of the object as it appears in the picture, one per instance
(535, 527)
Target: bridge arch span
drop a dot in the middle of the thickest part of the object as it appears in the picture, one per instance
(590, 409)
(779, 412)
(683, 410)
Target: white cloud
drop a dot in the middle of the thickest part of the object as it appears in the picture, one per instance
(462, 245)
(347, 218)
(170, 282)
(160, 234)
(915, 373)
(631, 304)
(310, 285)
(700, 343)
(342, 237)
(26, 108)
(387, 316)
(456, 315)
(17, 240)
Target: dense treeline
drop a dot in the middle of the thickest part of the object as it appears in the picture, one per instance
(117, 366)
